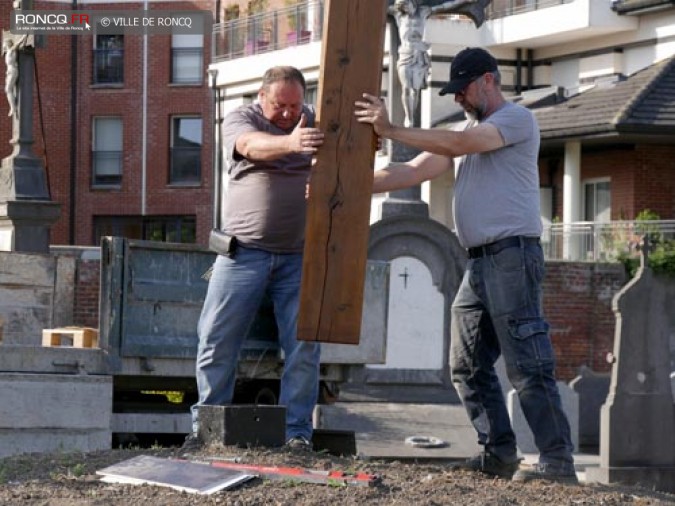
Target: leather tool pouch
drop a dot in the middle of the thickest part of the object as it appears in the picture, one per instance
(222, 243)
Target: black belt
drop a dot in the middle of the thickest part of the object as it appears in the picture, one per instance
(495, 247)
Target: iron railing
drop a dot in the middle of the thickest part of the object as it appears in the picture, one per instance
(303, 23)
(503, 8)
(601, 242)
(268, 31)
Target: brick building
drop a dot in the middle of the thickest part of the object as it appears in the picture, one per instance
(125, 125)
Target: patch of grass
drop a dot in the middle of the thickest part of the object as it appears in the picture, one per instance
(77, 470)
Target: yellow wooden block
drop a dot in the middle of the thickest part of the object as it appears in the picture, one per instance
(77, 337)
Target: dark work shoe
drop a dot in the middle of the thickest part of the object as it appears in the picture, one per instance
(192, 443)
(489, 464)
(299, 443)
(563, 473)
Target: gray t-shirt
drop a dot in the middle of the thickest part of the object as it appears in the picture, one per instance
(497, 192)
(264, 206)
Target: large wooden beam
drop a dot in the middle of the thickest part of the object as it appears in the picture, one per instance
(338, 212)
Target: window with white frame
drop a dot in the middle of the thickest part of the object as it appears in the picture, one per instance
(597, 200)
(107, 151)
(186, 150)
(187, 56)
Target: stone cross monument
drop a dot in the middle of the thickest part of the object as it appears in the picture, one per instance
(26, 210)
(412, 65)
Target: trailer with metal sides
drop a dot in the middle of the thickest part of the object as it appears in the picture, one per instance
(151, 295)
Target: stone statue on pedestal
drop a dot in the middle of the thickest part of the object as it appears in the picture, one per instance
(26, 209)
(413, 57)
(11, 45)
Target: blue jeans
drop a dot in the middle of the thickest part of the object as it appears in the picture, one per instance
(498, 309)
(236, 289)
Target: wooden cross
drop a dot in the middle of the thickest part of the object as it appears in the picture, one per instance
(338, 207)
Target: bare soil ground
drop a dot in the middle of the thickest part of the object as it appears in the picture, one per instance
(70, 479)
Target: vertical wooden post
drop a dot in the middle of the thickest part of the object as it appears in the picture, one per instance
(338, 208)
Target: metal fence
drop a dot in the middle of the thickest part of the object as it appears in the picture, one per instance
(302, 23)
(601, 242)
(268, 31)
(503, 8)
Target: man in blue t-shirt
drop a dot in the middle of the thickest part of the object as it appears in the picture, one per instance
(498, 307)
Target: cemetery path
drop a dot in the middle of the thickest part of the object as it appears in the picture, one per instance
(70, 479)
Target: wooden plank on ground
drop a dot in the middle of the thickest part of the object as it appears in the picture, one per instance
(338, 207)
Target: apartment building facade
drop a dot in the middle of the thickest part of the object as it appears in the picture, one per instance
(124, 124)
(583, 66)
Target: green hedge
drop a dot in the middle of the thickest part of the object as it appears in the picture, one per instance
(661, 259)
(661, 253)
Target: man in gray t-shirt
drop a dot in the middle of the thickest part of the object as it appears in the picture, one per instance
(498, 306)
(265, 200)
(268, 148)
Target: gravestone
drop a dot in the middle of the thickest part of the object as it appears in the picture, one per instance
(592, 389)
(524, 437)
(637, 422)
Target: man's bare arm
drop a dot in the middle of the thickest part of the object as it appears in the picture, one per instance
(263, 146)
(479, 139)
(423, 167)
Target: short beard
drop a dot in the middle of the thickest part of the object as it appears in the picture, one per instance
(476, 114)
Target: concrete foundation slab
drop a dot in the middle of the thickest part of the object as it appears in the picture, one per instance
(54, 412)
(19, 441)
(382, 429)
(652, 478)
(47, 360)
(155, 423)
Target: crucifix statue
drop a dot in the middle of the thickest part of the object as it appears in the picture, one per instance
(410, 51)
(11, 45)
(413, 57)
(26, 210)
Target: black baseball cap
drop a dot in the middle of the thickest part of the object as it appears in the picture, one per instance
(469, 64)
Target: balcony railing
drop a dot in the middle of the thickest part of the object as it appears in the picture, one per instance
(503, 8)
(303, 22)
(601, 242)
(291, 26)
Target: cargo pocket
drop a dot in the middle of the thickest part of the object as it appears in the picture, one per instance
(532, 344)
